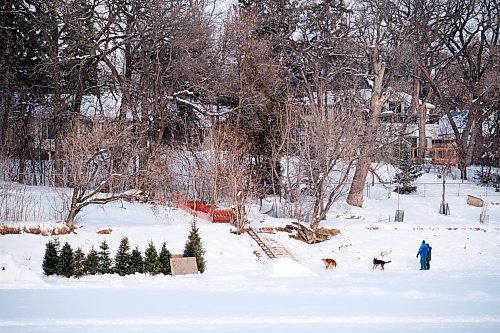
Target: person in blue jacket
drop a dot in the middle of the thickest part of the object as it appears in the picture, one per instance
(428, 261)
(423, 251)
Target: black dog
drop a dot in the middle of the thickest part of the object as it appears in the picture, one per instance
(377, 262)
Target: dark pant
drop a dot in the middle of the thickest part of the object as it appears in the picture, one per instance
(423, 263)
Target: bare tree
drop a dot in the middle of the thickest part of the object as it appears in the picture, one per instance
(445, 170)
(88, 153)
(378, 36)
(467, 79)
(322, 110)
(421, 21)
(259, 91)
(237, 175)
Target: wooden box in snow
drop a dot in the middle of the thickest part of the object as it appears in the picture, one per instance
(474, 201)
(183, 266)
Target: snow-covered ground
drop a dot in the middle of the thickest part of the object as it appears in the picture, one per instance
(240, 292)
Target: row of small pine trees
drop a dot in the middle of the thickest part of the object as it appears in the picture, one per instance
(68, 263)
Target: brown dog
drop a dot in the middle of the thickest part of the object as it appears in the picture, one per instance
(329, 263)
(377, 262)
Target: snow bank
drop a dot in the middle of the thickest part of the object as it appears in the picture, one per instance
(285, 267)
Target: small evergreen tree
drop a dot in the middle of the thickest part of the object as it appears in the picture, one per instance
(104, 263)
(57, 246)
(151, 261)
(78, 263)
(65, 263)
(50, 259)
(91, 263)
(164, 258)
(122, 258)
(136, 261)
(194, 248)
(409, 173)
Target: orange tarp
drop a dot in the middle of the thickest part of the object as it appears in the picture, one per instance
(206, 212)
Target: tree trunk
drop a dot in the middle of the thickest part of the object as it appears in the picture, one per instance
(77, 105)
(58, 124)
(144, 159)
(421, 111)
(6, 108)
(240, 214)
(70, 220)
(22, 168)
(475, 133)
(443, 193)
(56, 99)
(73, 209)
(422, 145)
(7, 99)
(216, 160)
(463, 170)
(25, 138)
(355, 197)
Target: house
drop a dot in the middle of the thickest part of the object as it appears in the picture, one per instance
(398, 116)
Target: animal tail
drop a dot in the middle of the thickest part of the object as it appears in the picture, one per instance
(388, 261)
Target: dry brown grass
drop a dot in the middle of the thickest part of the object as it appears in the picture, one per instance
(8, 230)
(327, 231)
(104, 231)
(5, 229)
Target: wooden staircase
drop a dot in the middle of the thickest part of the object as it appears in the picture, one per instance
(261, 243)
(272, 252)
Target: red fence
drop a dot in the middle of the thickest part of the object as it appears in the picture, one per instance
(204, 211)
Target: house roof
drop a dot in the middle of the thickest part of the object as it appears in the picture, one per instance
(395, 96)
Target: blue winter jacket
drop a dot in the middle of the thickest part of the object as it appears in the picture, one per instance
(423, 250)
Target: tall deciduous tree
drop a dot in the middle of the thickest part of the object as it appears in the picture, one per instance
(378, 36)
(327, 147)
(258, 36)
(79, 55)
(469, 82)
(23, 81)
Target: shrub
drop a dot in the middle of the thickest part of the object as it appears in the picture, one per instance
(78, 263)
(65, 262)
(91, 263)
(136, 261)
(164, 258)
(50, 259)
(194, 248)
(151, 261)
(122, 258)
(104, 262)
